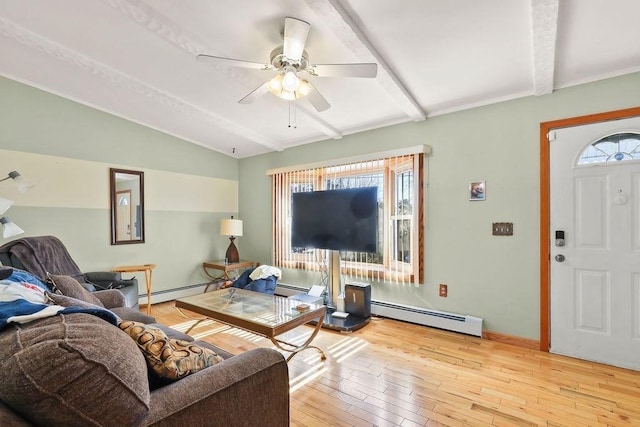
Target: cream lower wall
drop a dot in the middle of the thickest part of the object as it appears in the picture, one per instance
(495, 278)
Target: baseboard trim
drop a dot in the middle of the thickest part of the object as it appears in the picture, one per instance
(172, 294)
(288, 290)
(510, 339)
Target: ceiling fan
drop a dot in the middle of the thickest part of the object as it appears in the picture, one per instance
(288, 60)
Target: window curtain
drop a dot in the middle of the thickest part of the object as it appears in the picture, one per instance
(399, 178)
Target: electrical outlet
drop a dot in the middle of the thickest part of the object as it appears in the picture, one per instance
(444, 289)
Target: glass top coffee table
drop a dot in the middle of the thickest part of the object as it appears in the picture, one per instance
(262, 314)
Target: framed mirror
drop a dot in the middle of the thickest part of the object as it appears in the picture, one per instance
(126, 189)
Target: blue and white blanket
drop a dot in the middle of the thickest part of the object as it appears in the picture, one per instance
(22, 302)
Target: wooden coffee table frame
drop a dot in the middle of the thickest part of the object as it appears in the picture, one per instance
(197, 304)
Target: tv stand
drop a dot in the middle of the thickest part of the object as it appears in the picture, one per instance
(348, 324)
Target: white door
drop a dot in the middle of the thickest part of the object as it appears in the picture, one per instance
(595, 276)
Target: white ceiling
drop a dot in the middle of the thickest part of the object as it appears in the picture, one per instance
(137, 59)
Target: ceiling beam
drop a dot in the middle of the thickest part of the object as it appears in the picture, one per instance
(343, 26)
(544, 28)
(116, 77)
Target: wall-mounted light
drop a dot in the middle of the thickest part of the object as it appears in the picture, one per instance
(5, 204)
(9, 229)
(20, 182)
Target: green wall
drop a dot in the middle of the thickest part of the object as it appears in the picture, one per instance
(496, 278)
(65, 145)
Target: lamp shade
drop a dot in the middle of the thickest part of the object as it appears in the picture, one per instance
(4, 205)
(9, 229)
(231, 227)
(20, 182)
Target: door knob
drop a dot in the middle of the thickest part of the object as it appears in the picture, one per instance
(559, 258)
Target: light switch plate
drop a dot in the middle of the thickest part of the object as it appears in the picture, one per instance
(502, 229)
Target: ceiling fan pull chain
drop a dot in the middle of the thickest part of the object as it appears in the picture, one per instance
(292, 112)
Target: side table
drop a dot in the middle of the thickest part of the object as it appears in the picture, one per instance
(148, 270)
(220, 265)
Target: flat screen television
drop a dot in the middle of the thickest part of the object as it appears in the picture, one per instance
(343, 220)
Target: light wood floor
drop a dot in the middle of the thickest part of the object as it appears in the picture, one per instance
(394, 373)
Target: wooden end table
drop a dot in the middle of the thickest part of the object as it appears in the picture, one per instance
(148, 270)
(226, 268)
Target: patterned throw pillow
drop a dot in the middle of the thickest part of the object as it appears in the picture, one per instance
(70, 287)
(167, 357)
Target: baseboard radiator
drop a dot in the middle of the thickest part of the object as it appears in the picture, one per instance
(464, 324)
(172, 294)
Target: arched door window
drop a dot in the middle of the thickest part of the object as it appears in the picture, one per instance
(612, 148)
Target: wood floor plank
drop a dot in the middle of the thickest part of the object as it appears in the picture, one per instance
(393, 373)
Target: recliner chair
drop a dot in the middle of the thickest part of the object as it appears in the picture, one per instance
(46, 254)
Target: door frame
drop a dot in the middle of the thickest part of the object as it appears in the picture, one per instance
(545, 205)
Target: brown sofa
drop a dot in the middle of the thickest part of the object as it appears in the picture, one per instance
(77, 369)
(40, 255)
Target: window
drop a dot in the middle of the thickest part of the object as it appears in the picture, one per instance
(400, 216)
(613, 148)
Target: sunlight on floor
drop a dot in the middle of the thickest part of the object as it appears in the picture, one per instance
(297, 340)
(309, 375)
(316, 367)
(307, 365)
(185, 326)
(212, 328)
(241, 333)
(212, 331)
(346, 348)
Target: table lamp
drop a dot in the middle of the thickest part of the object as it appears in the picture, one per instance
(232, 228)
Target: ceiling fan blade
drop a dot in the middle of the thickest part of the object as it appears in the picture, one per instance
(366, 70)
(317, 100)
(295, 37)
(233, 62)
(256, 93)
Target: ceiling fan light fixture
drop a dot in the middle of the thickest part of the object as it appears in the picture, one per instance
(276, 88)
(303, 89)
(275, 84)
(289, 96)
(279, 88)
(290, 80)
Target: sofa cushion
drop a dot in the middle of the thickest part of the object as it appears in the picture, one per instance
(8, 417)
(219, 351)
(169, 358)
(66, 301)
(70, 287)
(121, 313)
(73, 369)
(128, 313)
